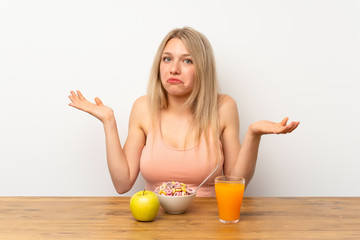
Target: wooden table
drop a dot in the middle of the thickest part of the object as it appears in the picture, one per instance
(110, 218)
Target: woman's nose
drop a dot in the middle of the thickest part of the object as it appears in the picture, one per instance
(175, 68)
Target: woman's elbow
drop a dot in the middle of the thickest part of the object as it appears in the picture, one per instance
(122, 188)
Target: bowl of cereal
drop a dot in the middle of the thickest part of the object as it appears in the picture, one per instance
(175, 197)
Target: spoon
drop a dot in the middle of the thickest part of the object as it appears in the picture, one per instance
(208, 177)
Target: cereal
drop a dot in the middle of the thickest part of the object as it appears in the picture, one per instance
(173, 189)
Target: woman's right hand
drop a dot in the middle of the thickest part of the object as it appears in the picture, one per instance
(97, 109)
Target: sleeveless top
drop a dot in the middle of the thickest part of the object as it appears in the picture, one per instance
(162, 163)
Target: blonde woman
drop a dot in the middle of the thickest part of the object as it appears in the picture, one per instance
(183, 128)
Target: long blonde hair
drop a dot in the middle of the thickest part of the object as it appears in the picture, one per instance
(203, 99)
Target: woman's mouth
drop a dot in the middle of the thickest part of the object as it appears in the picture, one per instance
(173, 80)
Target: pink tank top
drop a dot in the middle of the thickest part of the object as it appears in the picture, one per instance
(161, 163)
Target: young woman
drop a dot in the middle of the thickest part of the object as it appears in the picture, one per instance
(183, 128)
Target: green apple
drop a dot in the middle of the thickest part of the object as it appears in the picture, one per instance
(144, 206)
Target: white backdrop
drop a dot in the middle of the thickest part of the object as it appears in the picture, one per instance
(276, 58)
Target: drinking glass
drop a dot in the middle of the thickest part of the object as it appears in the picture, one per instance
(229, 194)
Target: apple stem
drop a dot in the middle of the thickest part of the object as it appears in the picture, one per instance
(144, 191)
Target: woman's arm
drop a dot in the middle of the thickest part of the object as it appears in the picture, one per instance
(123, 163)
(241, 160)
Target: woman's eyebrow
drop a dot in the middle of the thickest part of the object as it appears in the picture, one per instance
(184, 55)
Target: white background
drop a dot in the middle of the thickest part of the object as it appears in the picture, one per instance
(276, 58)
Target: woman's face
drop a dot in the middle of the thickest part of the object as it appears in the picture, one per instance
(177, 71)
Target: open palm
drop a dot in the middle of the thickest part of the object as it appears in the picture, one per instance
(97, 109)
(268, 127)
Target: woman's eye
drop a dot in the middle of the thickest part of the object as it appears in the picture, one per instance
(188, 61)
(167, 59)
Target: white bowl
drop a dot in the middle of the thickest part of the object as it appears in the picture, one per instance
(175, 204)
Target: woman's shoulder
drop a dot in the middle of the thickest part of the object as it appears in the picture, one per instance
(142, 102)
(226, 103)
(140, 113)
(228, 111)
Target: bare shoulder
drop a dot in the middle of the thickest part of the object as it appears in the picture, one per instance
(140, 114)
(141, 103)
(228, 112)
(226, 104)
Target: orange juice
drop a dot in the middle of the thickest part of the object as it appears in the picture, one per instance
(229, 194)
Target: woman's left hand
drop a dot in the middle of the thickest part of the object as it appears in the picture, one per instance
(267, 127)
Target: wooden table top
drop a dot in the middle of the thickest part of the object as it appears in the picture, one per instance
(110, 218)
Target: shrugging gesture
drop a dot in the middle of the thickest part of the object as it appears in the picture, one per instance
(183, 127)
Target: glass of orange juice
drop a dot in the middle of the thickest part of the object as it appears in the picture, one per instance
(229, 194)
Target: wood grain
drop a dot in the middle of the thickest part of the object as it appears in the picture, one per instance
(110, 218)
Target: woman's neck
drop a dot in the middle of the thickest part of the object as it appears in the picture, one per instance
(176, 105)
